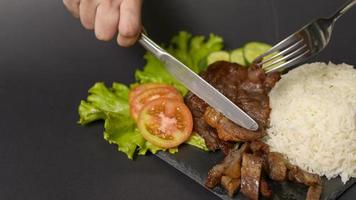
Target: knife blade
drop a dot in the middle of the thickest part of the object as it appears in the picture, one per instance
(199, 86)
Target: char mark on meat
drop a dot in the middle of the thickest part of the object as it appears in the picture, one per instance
(230, 168)
(251, 175)
(259, 146)
(214, 175)
(300, 176)
(277, 169)
(231, 185)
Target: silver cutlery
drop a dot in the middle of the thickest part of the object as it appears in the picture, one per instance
(199, 86)
(303, 44)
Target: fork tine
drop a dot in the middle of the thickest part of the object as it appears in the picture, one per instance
(285, 58)
(286, 50)
(291, 62)
(284, 43)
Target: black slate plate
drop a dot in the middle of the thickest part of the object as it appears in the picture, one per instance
(196, 163)
(238, 22)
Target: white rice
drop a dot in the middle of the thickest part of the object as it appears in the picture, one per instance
(313, 119)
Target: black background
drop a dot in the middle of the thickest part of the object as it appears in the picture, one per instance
(48, 62)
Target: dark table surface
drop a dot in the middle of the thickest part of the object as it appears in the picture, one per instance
(48, 61)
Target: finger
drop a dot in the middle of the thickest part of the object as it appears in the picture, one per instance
(87, 10)
(106, 20)
(126, 41)
(72, 6)
(130, 22)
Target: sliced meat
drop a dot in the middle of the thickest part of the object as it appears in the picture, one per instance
(226, 77)
(229, 167)
(212, 117)
(300, 176)
(231, 185)
(247, 88)
(256, 107)
(198, 107)
(256, 74)
(250, 175)
(271, 80)
(265, 190)
(227, 130)
(260, 149)
(314, 192)
(277, 169)
(214, 175)
(257, 146)
(233, 162)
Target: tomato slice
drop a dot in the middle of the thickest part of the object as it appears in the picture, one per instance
(146, 96)
(165, 122)
(143, 87)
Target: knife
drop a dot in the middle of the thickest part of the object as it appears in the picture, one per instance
(199, 86)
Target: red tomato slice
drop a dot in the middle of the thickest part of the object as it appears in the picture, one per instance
(165, 122)
(143, 87)
(149, 95)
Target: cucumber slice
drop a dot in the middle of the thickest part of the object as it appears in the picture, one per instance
(217, 56)
(253, 49)
(237, 56)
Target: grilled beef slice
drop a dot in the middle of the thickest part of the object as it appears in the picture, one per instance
(314, 192)
(247, 88)
(230, 167)
(250, 175)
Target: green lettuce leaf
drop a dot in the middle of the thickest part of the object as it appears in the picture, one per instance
(191, 50)
(197, 141)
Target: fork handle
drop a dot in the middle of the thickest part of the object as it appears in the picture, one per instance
(343, 10)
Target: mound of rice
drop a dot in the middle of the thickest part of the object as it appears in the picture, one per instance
(313, 119)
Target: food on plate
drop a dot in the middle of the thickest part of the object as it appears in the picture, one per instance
(229, 131)
(247, 88)
(300, 176)
(277, 169)
(237, 56)
(141, 97)
(165, 122)
(218, 56)
(140, 88)
(313, 119)
(230, 168)
(253, 163)
(254, 49)
(265, 189)
(306, 119)
(251, 168)
(314, 192)
(198, 107)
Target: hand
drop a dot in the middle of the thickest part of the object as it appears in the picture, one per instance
(108, 17)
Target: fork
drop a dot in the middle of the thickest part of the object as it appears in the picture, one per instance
(301, 45)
